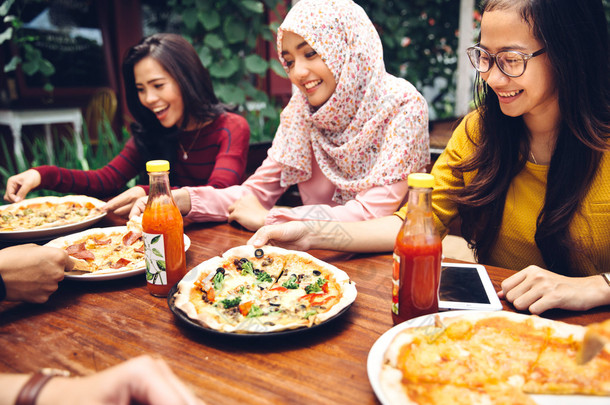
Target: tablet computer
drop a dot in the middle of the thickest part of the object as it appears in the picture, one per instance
(467, 286)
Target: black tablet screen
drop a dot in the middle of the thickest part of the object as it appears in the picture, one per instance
(462, 284)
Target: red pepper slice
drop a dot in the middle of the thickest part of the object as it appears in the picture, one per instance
(245, 308)
(317, 299)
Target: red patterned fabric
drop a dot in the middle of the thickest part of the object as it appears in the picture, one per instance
(217, 158)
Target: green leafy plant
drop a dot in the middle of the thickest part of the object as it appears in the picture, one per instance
(227, 35)
(420, 38)
(30, 58)
(64, 152)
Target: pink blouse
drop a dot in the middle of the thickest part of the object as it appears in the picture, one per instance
(210, 204)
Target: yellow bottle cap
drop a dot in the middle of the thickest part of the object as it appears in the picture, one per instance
(157, 166)
(421, 180)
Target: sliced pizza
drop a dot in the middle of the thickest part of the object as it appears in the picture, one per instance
(104, 250)
(496, 357)
(248, 290)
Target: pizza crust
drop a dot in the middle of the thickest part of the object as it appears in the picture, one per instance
(182, 298)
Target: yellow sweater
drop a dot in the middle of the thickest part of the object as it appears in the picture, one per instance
(515, 247)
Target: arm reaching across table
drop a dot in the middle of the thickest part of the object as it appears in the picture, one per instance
(127, 383)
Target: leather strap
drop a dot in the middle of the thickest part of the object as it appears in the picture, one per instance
(606, 277)
(30, 391)
(2, 289)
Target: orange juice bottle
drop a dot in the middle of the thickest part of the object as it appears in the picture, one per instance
(417, 255)
(163, 233)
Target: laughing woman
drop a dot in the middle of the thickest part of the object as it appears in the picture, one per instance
(528, 172)
(178, 118)
(348, 138)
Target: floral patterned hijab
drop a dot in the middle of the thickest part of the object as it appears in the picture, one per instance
(373, 130)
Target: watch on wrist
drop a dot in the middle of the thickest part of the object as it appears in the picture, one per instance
(30, 391)
(606, 277)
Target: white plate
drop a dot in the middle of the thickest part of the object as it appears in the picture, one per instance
(48, 233)
(109, 274)
(375, 361)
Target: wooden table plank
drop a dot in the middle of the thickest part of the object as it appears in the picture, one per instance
(89, 326)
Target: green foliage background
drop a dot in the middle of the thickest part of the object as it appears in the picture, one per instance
(419, 41)
(419, 37)
(227, 34)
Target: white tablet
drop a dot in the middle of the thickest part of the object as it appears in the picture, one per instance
(467, 286)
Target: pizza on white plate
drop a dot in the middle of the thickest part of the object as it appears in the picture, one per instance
(249, 290)
(48, 212)
(495, 357)
(105, 250)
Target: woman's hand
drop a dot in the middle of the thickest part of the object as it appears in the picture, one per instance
(538, 290)
(142, 380)
(19, 185)
(181, 198)
(31, 272)
(121, 204)
(290, 235)
(248, 212)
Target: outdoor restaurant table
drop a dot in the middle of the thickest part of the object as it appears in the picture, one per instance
(89, 326)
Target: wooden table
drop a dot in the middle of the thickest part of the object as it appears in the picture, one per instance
(89, 326)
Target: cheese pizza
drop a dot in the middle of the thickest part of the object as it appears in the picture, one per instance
(48, 212)
(248, 290)
(483, 358)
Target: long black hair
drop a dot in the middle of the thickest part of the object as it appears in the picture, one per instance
(575, 35)
(178, 57)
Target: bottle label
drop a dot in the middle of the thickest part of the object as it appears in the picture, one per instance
(154, 254)
(395, 283)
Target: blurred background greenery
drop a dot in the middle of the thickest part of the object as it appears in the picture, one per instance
(233, 38)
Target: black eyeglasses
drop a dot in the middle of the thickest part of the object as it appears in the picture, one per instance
(511, 63)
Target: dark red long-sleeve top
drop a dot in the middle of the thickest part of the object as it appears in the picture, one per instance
(217, 157)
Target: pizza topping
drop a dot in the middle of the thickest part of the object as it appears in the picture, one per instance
(255, 311)
(263, 277)
(245, 308)
(122, 262)
(258, 253)
(230, 303)
(218, 279)
(79, 251)
(131, 237)
(291, 283)
(247, 268)
(103, 248)
(316, 287)
(102, 242)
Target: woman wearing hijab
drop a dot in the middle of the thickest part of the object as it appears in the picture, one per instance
(348, 138)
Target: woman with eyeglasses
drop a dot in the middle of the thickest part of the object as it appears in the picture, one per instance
(528, 172)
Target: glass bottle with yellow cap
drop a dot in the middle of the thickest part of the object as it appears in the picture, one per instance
(417, 255)
(163, 232)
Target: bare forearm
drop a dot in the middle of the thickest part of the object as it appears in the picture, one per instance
(375, 235)
(10, 385)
